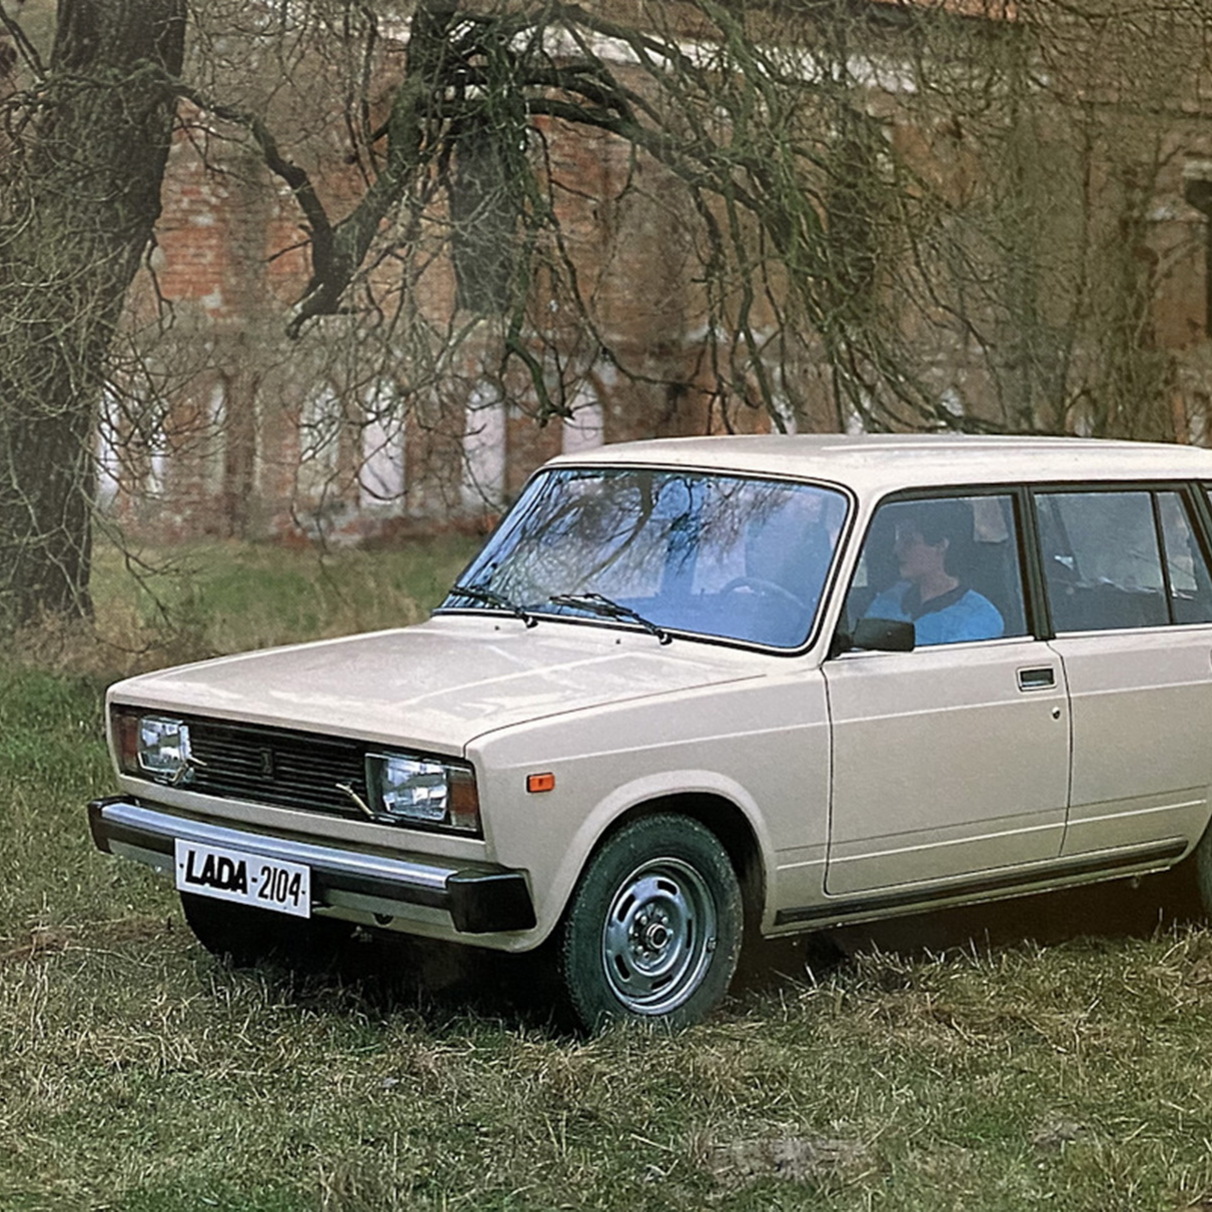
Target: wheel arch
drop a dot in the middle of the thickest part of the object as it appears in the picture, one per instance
(655, 927)
(723, 818)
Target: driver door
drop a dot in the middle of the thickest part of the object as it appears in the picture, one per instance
(952, 760)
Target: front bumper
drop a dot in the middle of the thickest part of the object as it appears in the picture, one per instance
(480, 899)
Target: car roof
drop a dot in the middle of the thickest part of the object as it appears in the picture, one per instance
(887, 462)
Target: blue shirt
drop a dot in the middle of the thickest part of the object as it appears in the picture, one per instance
(962, 614)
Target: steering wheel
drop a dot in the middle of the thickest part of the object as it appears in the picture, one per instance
(769, 589)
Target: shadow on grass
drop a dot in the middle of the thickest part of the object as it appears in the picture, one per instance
(443, 985)
(1103, 912)
(446, 985)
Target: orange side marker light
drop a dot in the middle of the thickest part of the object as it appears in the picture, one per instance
(540, 782)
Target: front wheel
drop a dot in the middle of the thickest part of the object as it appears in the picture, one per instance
(654, 926)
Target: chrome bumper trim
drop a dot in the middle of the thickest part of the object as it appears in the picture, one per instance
(480, 899)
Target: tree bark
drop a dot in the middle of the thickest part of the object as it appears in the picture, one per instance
(79, 194)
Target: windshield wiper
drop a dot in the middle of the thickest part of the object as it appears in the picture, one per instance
(490, 597)
(599, 604)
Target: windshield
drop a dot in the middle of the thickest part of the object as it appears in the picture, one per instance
(672, 551)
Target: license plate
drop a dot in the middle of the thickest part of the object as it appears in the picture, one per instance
(246, 879)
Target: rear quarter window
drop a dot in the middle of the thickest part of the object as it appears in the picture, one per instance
(1122, 559)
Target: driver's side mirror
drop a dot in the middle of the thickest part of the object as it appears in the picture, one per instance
(876, 635)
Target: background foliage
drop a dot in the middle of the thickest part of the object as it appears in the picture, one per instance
(817, 214)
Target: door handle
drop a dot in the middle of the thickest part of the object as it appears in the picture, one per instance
(1040, 678)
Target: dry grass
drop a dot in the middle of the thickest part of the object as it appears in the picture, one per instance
(140, 1075)
(137, 1075)
(167, 607)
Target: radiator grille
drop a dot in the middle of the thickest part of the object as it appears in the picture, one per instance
(276, 766)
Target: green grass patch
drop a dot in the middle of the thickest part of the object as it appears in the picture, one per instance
(165, 607)
(921, 1072)
(141, 1075)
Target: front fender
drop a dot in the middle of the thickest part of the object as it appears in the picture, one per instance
(620, 804)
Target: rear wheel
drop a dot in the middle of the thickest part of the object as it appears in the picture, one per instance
(654, 927)
(244, 936)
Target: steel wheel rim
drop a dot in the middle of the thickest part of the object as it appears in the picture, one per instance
(658, 937)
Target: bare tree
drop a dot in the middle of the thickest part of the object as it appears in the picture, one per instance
(783, 176)
(870, 197)
(84, 152)
(898, 216)
(1055, 248)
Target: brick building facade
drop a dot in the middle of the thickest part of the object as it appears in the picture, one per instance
(221, 425)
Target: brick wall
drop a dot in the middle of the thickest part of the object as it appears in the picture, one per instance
(226, 427)
(247, 432)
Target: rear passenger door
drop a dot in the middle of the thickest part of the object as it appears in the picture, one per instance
(1130, 596)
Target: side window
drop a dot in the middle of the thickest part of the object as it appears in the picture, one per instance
(1186, 567)
(1103, 560)
(949, 565)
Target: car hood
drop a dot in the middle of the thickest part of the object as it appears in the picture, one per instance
(439, 684)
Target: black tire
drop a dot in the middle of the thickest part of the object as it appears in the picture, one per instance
(654, 926)
(244, 936)
(1199, 878)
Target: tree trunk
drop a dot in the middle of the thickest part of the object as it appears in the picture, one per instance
(79, 193)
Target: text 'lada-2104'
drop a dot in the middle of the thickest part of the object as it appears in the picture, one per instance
(698, 687)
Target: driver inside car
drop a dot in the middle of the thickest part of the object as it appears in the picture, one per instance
(932, 538)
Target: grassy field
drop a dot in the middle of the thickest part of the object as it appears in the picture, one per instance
(167, 607)
(1049, 1053)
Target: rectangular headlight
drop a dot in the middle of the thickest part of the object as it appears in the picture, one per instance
(163, 748)
(423, 791)
(156, 746)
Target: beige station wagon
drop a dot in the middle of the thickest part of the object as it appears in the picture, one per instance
(698, 687)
